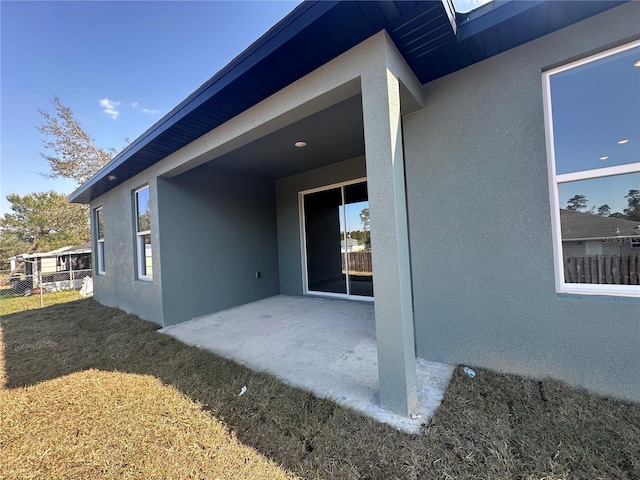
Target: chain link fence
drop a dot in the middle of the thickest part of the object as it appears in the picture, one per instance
(77, 282)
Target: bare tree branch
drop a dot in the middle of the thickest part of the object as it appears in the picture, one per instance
(75, 155)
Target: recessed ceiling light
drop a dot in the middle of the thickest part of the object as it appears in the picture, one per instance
(623, 141)
(112, 177)
(637, 64)
(300, 144)
(604, 157)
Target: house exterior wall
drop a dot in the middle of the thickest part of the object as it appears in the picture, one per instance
(331, 83)
(374, 60)
(480, 225)
(288, 212)
(478, 218)
(195, 217)
(218, 229)
(119, 287)
(48, 264)
(620, 246)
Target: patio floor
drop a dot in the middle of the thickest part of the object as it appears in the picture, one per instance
(325, 345)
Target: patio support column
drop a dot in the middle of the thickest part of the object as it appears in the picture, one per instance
(389, 240)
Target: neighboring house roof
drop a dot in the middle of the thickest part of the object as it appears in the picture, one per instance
(76, 249)
(578, 226)
(82, 248)
(431, 37)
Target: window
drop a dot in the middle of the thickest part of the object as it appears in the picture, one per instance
(143, 234)
(99, 235)
(466, 6)
(593, 144)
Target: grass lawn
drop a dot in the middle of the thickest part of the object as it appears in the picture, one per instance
(72, 368)
(11, 302)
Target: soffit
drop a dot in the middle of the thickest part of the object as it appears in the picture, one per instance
(333, 134)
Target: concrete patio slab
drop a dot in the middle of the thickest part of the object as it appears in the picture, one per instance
(324, 345)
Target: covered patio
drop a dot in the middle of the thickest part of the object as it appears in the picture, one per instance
(238, 224)
(327, 346)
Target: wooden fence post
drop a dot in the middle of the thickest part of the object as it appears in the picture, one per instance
(602, 269)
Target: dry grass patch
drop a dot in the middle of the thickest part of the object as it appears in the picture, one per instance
(492, 426)
(95, 424)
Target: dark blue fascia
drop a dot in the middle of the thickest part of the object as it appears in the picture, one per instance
(318, 31)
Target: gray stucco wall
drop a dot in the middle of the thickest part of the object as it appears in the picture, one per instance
(289, 248)
(217, 229)
(118, 287)
(480, 226)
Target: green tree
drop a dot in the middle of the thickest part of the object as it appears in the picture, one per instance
(632, 212)
(364, 218)
(42, 221)
(577, 203)
(75, 155)
(9, 247)
(366, 227)
(604, 210)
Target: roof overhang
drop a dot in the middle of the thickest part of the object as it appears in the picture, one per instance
(50, 254)
(432, 39)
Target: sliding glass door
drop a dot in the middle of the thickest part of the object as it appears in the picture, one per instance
(337, 240)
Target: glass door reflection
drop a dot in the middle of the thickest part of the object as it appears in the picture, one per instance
(359, 270)
(322, 232)
(338, 241)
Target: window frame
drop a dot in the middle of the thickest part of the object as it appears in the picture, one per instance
(140, 238)
(555, 180)
(100, 267)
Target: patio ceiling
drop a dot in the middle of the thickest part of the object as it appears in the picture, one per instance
(333, 134)
(318, 31)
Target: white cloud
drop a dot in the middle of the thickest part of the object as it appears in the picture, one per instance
(109, 107)
(148, 111)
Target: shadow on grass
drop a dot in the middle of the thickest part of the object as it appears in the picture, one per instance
(492, 426)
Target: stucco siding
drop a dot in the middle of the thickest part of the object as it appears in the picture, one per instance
(287, 189)
(118, 287)
(480, 225)
(218, 229)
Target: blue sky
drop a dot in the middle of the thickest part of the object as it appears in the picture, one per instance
(120, 66)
